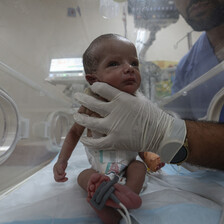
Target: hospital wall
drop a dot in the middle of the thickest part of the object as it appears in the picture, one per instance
(33, 33)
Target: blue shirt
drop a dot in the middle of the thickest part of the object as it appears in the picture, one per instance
(196, 62)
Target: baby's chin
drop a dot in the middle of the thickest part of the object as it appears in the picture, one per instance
(129, 89)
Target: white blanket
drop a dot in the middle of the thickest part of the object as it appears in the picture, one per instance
(172, 196)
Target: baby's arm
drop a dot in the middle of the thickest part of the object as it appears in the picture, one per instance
(68, 146)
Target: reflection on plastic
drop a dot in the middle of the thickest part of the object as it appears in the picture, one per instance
(25, 151)
(9, 128)
(215, 110)
(109, 9)
(54, 129)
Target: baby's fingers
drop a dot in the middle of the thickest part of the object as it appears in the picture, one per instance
(60, 177)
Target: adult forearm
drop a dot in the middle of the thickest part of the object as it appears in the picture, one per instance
(206, 144)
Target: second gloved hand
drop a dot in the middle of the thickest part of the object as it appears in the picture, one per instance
(130, 123)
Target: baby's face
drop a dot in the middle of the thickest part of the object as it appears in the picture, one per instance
(118, 65)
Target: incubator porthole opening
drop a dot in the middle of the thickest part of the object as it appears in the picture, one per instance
(60, 123)
(61, 129)
(216, 108)
(9, 125)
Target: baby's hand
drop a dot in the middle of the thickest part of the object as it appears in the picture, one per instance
(59, 171)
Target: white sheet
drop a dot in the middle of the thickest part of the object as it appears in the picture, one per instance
(172, 197)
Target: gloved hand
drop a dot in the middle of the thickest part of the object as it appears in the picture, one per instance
(130, 123)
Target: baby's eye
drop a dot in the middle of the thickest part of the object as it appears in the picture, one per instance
(113, 63)
(135, 63)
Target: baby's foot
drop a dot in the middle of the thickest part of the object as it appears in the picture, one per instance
(126, 196)
(153, 161)
(159, 166)
(94, 182)
(108, 215)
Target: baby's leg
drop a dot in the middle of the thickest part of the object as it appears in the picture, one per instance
(130, 199)
(84, 177)
(94, 182)
(127, 197)
(135, 176)
(107, 214)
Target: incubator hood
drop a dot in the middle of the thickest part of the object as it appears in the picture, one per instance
(37, 106)
(180, 104)
(33, 126)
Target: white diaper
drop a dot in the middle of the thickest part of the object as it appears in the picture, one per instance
(107, 162)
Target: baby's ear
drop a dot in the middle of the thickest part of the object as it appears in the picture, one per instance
(91, 78)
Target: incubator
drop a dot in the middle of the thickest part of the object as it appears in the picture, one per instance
(33, 126)
(210, 109)
(41, 47)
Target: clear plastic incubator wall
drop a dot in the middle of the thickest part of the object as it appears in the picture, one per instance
(41, 47)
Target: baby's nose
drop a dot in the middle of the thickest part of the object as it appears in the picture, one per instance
(128, 68)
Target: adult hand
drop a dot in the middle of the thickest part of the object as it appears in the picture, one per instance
(130, 123)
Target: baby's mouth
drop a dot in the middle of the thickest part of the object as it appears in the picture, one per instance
(130, 81)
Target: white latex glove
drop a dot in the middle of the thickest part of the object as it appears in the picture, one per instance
(130, 123)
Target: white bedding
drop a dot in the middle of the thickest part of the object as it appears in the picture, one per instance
(173, 196)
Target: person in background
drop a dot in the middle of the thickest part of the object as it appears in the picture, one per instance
(112, 59)
(202, 141)
(206, 53)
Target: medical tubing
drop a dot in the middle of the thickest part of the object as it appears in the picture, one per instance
(127, 216)
(126, 212)
(105, 191)
(123, 216)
